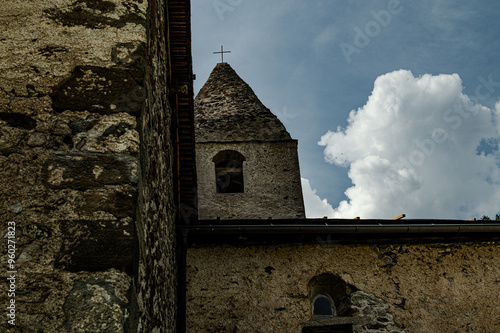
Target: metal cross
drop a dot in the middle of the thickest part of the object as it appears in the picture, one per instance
(222, 52)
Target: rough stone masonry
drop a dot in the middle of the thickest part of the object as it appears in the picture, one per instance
(71, 89)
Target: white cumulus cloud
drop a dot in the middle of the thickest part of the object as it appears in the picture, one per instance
(314, 205)
(419, 146)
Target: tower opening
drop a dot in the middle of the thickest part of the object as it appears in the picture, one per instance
(229, 172)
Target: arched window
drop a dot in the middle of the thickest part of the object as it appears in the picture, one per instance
(329, 312)
(325, 292)
(229, 172)
(323, 305)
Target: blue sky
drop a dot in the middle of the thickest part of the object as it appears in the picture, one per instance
(313, 62)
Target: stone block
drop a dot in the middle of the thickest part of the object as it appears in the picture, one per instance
(18, 120)
(96, 14)
(89, 170)
(92, 306)
(97, 246)
(119, 202)
(98, 89)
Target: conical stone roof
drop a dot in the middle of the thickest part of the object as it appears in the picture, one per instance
(227, 109)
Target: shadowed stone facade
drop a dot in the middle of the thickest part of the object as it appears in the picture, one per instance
(71, 87)
(157, 277)
(75, 76)
(230, 117)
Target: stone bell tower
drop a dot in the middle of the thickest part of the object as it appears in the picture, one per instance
(247, 163)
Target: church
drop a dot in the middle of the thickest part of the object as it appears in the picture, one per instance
(136, 207)
(255, 264)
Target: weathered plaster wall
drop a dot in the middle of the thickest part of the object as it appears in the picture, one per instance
(71, 88)
(271, 178)
(428, 288)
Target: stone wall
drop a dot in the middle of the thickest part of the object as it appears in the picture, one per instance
(157, 281)
(71, 89)
(391, 288)
(271, 177)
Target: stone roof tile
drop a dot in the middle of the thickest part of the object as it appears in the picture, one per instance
(227, 109)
